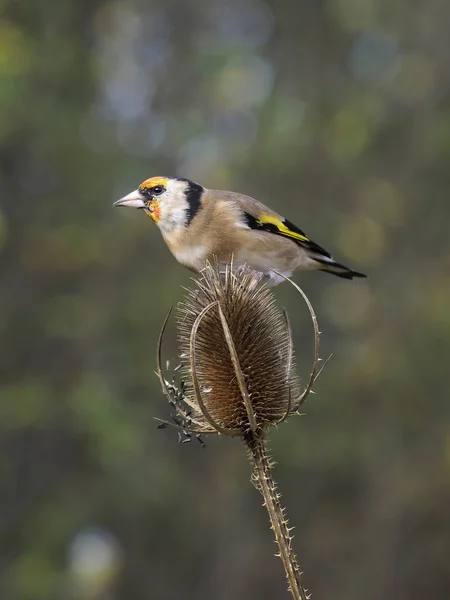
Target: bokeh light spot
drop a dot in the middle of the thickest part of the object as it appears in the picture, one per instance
(374, 58)
(247, 23)
(349, 134)
(94, 559)
(362, 239)
(245, 82)
(200, 157)
(381, 200)
(14, 58)
(354, 15)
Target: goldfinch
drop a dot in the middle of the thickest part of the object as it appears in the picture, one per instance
(198, 224)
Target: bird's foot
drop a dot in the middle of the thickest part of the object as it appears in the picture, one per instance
(257, 275)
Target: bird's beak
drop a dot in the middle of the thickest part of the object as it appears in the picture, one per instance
(133, 200)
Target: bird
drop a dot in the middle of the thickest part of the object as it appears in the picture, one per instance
(200, 225)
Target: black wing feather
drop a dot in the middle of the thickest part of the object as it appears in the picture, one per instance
(255, 223)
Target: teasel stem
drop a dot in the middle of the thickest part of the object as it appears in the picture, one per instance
(264, 482)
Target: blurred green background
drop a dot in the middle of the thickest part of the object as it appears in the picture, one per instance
(336, 113)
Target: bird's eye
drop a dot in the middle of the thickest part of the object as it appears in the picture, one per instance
(157, 190)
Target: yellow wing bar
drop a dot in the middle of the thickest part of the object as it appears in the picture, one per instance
(285, 228)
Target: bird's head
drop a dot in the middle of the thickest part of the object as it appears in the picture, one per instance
(170, 202)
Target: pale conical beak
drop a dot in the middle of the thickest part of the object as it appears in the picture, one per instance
(133, 200)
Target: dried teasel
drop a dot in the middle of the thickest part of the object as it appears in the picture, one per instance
(239, 378)
(231, 308)
(238, 359)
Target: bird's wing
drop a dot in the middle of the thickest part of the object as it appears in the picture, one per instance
(257, 216)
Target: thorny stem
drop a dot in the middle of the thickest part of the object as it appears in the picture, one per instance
(263, 481)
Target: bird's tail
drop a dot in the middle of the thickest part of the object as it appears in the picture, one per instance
(329, 265)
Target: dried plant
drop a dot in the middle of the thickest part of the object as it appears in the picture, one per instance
(239, 379)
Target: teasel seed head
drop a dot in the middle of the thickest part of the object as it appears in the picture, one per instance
(240, 374)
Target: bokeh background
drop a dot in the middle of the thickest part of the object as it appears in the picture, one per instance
(335, 112)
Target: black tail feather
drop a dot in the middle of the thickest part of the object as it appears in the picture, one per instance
(338, 269)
